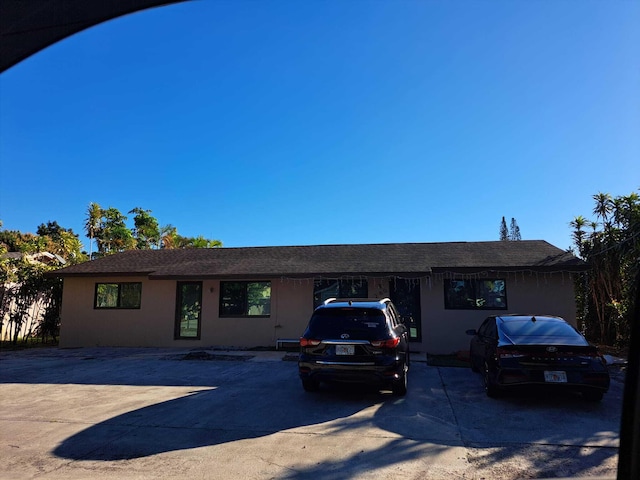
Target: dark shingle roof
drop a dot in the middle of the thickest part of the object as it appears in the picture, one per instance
(327, 260)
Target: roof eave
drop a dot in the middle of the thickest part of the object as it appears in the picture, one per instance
(61, 274)
(522, 268)
(304, 275)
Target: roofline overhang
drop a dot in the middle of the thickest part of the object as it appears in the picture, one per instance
(61, 274)
(151, 275)
(523, 268)
(302, 276)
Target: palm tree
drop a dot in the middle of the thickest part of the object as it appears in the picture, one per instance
(578, 223)
(604, 206)
(201, 242)
(168, 234)
(92, 224)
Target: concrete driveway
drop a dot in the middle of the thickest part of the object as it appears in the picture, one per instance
(148, 413)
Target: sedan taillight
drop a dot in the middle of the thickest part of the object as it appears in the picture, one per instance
(308, 342)
(390, 343)
(503, 353)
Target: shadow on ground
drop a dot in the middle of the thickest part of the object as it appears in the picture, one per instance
(233, 400)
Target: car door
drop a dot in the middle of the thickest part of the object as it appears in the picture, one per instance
(490, 343)
(482, 343)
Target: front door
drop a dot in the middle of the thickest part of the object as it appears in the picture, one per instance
(405, 294)
(188, 309)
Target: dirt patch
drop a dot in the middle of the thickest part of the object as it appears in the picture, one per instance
(620, 352)
(452, 360)
(201, 355)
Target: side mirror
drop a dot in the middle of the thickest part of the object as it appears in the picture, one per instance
(472, 332)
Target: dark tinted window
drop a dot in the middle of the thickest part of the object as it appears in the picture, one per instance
(539, 328)
(484, 328)
(393, 316)
(492, 331)
(242, 299)
(358, 323)
(486, 294)
(323, 289)
(118, 295)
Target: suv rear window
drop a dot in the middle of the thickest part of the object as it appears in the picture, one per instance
(359, 323)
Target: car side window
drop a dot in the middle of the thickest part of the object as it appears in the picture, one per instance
(392, 316)
(482, 331)
(488, 329)
(492, 331)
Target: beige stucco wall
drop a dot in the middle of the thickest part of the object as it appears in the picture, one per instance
(291, 306)
(82, 325)
(153, 324)
(443, 331)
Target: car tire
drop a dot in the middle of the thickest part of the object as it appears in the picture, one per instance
(593, 395)
(399, 387)
(310, 385)
(490, 389)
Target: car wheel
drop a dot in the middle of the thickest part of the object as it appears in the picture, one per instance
(474, 367)
(399, 387)
(310, 385)
(593, 395)
(489, 387)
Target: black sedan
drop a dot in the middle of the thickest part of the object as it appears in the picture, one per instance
(536, 350)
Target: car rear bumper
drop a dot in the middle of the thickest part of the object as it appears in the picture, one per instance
(578, 380)
(381, 373)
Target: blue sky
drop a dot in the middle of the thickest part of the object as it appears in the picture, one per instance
(329, 122)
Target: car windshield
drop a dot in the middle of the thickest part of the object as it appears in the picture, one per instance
(540, 332)
(358, 323)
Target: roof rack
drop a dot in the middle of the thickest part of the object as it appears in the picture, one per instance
(381, 301)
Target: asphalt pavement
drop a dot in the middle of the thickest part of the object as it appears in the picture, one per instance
(159, 413)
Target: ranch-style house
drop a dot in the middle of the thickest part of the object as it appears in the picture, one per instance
(259, 296)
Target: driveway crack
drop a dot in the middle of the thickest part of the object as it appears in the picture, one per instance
(453, 411)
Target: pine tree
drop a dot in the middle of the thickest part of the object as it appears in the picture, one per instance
(514, 234)
(504, 232)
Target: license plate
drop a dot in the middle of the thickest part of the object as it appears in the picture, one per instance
(555, 377)
(345, 349)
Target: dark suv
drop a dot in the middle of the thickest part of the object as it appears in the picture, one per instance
(355, 341)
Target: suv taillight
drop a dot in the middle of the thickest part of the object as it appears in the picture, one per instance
(391, 343)
(308, 342)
